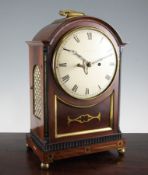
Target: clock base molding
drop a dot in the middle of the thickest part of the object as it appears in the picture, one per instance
(47, 152)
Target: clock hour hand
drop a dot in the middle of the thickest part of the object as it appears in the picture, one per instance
(100, 59)
(84, 66)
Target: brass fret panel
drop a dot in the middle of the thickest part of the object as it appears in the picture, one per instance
(37, 97)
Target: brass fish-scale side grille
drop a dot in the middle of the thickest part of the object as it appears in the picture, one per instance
(38, 112)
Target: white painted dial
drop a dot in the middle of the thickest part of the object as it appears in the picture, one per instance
(85, 63)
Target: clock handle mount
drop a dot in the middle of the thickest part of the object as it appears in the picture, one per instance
(70, 13)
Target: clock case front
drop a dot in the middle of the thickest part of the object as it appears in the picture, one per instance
(63, 126)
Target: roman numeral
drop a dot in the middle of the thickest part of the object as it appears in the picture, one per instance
(111, 63)
(75, 87)
(76, 39)
(66, 78)
(89, 35)
(87, 91)
(107, 77)
(99, 87)
(62, 64)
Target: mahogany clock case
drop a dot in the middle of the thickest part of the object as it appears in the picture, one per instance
(51, 132)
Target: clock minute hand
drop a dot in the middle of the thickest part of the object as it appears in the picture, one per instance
(100, 59)
(75, 53)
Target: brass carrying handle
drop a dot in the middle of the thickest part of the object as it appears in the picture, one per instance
(70, 13)
(83, 118)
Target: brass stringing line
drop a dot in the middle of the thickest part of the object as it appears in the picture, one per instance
(55, 106)
(111, 109)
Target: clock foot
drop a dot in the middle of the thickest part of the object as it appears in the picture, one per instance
(44, 165)
(121, 151)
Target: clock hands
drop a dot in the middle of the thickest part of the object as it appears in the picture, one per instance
(85, 64)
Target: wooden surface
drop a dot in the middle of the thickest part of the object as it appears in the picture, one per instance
(14, 159)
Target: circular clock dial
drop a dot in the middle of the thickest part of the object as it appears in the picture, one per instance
(85, 63)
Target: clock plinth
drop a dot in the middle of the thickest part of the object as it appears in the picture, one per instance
(74, 89)
(49, 153)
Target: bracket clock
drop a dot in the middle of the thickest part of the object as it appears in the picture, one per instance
(74, 88)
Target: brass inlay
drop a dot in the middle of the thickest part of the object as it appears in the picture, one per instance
(37, 97)
(70, 13)
(87, 149)
(34, 148)
(76, 106)
(109, 128)
(111, 109)
(106, 146)
(84, 118)
(120, 143)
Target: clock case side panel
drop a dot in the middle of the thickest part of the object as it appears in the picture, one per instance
(38, 54)
(36, 60)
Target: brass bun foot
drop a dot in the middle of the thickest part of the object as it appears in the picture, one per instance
(44, 165)
(121, 151)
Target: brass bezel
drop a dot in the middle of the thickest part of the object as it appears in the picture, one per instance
(55, 54)
(110, 128)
